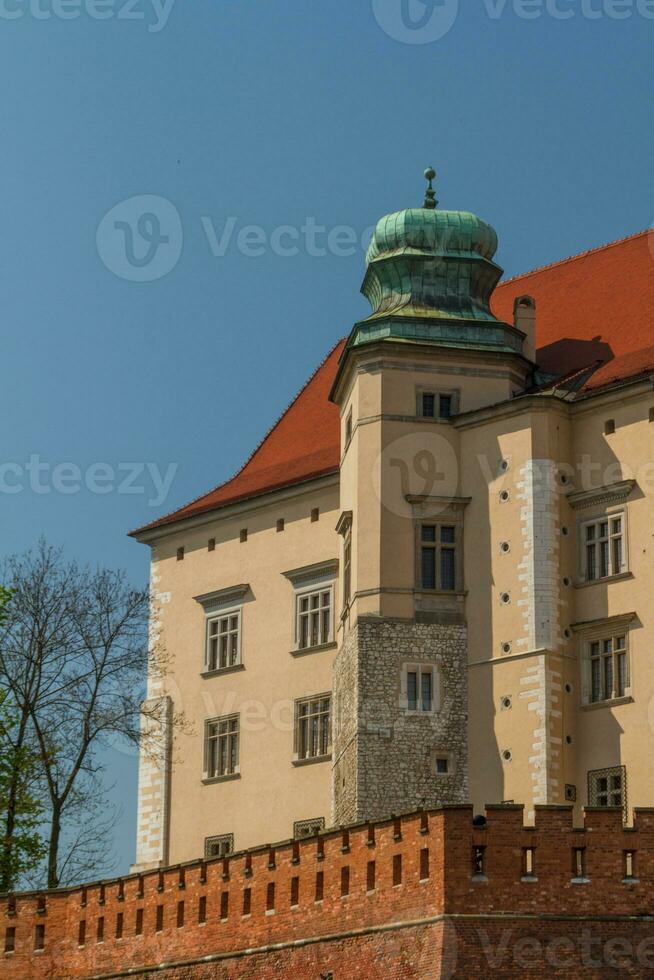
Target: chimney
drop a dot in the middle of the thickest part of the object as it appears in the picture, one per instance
(524, 319)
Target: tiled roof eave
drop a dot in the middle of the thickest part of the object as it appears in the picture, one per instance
(175, 521)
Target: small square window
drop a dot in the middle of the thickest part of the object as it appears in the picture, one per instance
(219, 847)
(609, 427)
(211, 544)
(280, 524)
(243, 535)
(442, 765)
(308, 828)
(180, 554)
(315, 515)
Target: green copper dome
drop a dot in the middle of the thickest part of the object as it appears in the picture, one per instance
(430, 276)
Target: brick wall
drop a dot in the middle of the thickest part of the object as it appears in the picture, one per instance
(424, 895)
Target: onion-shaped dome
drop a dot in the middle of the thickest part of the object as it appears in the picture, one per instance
(429, 279)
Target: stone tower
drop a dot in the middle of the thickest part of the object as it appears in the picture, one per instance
(430, 348)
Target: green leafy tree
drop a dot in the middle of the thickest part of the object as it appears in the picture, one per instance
(21, 845)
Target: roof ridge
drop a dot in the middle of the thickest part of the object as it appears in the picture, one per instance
(579, 255)
(269, 431)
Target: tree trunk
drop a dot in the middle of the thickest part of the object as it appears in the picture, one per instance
(6, 877)
(53, 848)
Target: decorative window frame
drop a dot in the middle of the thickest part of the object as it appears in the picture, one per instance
(220, 777)
(320, 577)
(308, 828)
(420, 667)
(219, 839)
(439, 511)
(596, 631)
(594, 775)
(219, 605)
(603, 502)
(453, 393)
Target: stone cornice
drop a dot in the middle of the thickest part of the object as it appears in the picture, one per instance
(310, 573)
(223, 597)
(611, 493)
(609, 622)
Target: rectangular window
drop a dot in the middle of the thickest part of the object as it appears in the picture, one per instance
(428, 405)
(224, 641)
(608, 787)
(609, 668)
(437, 405)
(10, 939)
(604, 552)
(438, 557)
(418, 688)
(348, 429)
(218, 847)
(312, 727)
(314, 618)
(221, 747)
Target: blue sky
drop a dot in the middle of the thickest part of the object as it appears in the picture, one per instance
(261, 114)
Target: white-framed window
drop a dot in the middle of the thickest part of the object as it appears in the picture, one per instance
(314, 617)
(218, 847)
(420, 688)
(313, 727)
(221, 747)
(223, 640)
(607, 668)
(603, 544)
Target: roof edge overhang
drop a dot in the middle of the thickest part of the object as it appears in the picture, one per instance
(149, 534)
(424, 348)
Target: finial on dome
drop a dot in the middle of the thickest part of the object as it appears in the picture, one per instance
(430, 195)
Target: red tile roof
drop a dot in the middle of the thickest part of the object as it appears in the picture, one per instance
(597, 300)
(593, 309)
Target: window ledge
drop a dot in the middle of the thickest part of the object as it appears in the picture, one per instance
(580, 881)
(631, 881)
(481, 879)
(222, 670)
(614, 703)
(313, 761)
(208, 780)
(620, 577)
(305, 651)
(452, 593)
(529, 879)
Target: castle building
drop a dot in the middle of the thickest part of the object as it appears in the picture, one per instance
(430, 583)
